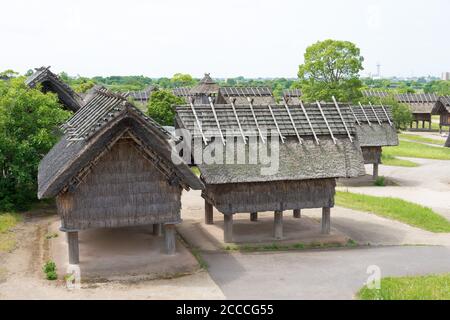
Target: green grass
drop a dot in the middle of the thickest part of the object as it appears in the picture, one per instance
(7, 238)
(195, 171)
(417, 150)
(416, 138)
(430, 287)
(289, 247)
(389, 160)
(397, 209)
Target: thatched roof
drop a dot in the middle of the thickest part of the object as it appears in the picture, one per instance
(418, 102)
(300, 157)
(51, 82)
(240, 95)
(292, 96)
(374, 126)
(442, 106)
(142, 96)
(104, 119)
(207, 86)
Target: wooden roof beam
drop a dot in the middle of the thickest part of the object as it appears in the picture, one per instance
(211, 103)
(250, 102)
(374, 112)
(237, 119)
(292, 121)
(309, 122)
(191, 103)
(276, 124)
(326, 122)
(342, 119)
(365, 114)
(385, 112)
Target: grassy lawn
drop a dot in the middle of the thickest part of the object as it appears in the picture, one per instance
(397, 209)
(389, 160)
(431, 287)
(7, 239)
(416, 138)
(417, 150)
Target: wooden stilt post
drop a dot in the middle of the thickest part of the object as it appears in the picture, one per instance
(209, 218)
(278, 225)
(375, 171)
(169, 239)
(326, 223)
(297, 213)
(74, 253)
(254, 216)
(228, 228)
(423, 124)
(157, 229)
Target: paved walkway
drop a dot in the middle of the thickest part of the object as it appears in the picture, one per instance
(334, 274)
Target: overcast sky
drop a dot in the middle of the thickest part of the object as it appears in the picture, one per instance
(228, 38)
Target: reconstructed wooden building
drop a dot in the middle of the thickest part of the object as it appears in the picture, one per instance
(51, 82)
(113, 168)
(442, 108)
(292, 96)
(317, 144)
(375, 129)
(142, 96)
(208, 88)
(420, 105)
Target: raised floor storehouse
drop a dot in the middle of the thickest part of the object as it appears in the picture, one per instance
(113, 168)
(442, 108)
(50, 82)
(375, 129)
(317, 143)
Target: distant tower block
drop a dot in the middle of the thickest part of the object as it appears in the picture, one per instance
(378, 70)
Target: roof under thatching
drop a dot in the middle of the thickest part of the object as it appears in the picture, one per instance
(442, 106)
(292, 96)
(51, 82)
(142, 96)
(374, 126)
(106, 117)
(240, 95)
(207, 86)
(298, 159)
(418, 102)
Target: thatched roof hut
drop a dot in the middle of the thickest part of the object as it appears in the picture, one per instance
(142, 96)
(375, 129)
(240, 95)
(318, 145)
(51, 82)
(292, 96)
(113, 168)
(420, 104)
(442, 108)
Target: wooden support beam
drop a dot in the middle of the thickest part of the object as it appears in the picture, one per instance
(375, 171)
(278, 225)
(297, 213)
(228, 228)
(209, 218)
(254, 216)
(169, 239)
(74, 252)
(157, 229)
(326, 223)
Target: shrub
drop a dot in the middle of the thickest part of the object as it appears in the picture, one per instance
(49, 266)
(380, 182)
(51, 275)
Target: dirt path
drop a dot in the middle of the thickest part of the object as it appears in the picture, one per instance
(22, 277)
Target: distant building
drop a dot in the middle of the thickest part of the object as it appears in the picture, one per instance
(446, 76)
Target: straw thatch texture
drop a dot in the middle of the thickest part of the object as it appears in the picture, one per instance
(142, 96)
(275, 196)
(240, 95)
(94, 129)
(375, 134)
(123, 189)
(51, 82)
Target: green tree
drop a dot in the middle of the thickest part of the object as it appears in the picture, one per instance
(160, 107)
(28, 123)
(331, 68)
(182, 80)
